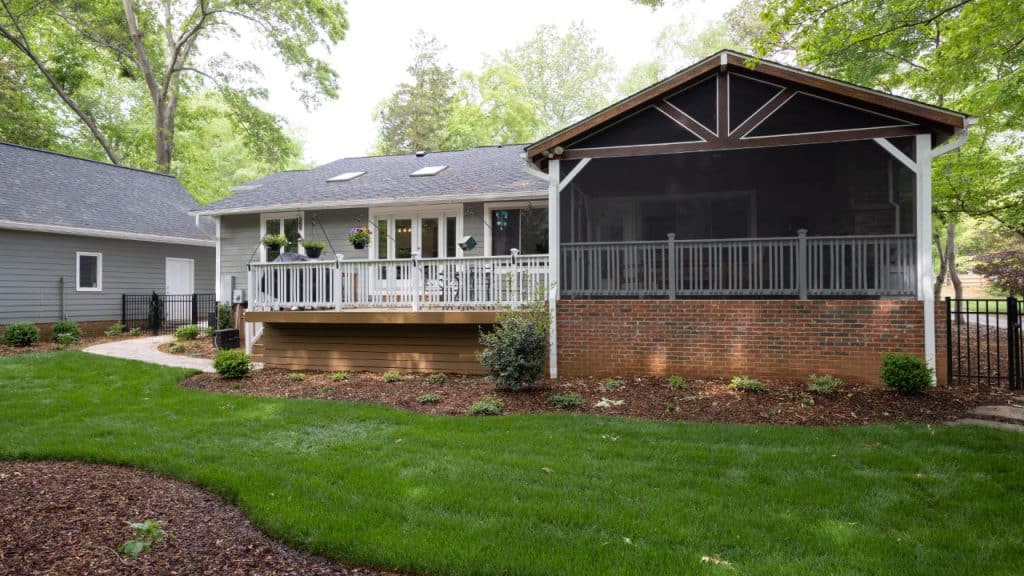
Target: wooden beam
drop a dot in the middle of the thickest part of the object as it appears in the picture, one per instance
(554, 257)
(897, 154)
(923, 231)
(685, 121)
(723, 105)
(572, 174)
(373, 317)
(765, 111)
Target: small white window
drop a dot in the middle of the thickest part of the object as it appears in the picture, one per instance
(89, 271)
(346, 176)
(429, 171)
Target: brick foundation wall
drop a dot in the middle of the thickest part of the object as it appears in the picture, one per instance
(769, 338)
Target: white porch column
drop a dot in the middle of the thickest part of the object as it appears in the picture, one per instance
(554, 251)
(923, 229)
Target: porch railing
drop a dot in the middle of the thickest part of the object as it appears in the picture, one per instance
(418, 283)
(801, 266)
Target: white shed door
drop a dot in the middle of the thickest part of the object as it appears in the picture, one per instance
(180, 277)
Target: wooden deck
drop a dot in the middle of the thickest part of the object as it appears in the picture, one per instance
(382, 316)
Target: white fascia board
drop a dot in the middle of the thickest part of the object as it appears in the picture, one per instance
(338, 204)
(113, 234)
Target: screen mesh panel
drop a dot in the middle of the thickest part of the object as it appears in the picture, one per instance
(698, 101)
(804, 113)
(648, 126)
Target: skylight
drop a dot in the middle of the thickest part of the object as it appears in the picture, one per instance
(346, 176)
(429, 171)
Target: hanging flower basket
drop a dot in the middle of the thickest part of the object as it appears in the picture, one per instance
(359, 237)
(313, 248)
(274, 243)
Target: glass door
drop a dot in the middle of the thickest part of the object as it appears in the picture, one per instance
(290, 224)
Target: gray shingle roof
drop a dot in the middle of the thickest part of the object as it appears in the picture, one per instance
(487, 171)
(46, 188)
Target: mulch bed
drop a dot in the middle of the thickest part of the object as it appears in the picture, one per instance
(42, 346)
(70, 518)
(707, 400)
(201, 347)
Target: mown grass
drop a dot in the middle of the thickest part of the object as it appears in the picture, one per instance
(548, 494)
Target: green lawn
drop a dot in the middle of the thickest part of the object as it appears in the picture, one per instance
(554, 494)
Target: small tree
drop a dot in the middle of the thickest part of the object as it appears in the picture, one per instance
(514, 350)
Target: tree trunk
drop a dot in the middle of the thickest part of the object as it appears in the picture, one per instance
(940, 278)
(954, 276)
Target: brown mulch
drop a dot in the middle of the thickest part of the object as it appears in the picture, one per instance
(706, 400)
(201, 347)
(45, 346)
(70, 518)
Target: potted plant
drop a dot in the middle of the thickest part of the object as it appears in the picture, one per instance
(274, 243)
(359, 237)
(313, 248)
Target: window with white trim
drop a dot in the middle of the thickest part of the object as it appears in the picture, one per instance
(89, 271)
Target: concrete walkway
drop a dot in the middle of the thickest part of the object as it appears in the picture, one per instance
(1002, 416)
(144, 349)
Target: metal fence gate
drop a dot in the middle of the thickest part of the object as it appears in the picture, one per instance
(165, 313)
(984, 341)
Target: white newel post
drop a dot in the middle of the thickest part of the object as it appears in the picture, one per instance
(337, 281)
(554, 252)
(925, 271)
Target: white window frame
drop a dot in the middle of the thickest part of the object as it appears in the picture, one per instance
(492, 206)
(78, 272)
(301, 216)
(416, 213)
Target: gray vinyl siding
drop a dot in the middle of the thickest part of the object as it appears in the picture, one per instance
(337, 224)
(473, 225)
(33, 264)
(239, 237)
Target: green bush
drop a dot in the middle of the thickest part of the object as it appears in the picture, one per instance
(567, 401)
(232, 364)
(115, 329)
(339, 376)
(65, 339)
(392, 376)
(746, 384)
(823, 385)
(135, 332)
(21, 334)
(67, 327)
(296, 376)
(429, 399)
(177, 347)
(677, 383)
(438, 378)
(611, 384)
(224, 319)
(187, 332)
(487, 406)
(905, 373)
(514, 351)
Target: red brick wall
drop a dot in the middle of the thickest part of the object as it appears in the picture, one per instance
(770, 338)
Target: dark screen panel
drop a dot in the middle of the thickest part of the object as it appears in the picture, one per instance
(746, 96)
(805, 113)
(699, 102)
(649, 126)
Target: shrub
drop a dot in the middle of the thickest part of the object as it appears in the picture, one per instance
(146, 534)
(746, 384)
(21, 334)
(392, 376)
(232, 364)
(339, 376)
(67, 327)
(135, 332)
(823, 385)
(65, 339)
(514, 351)
(429, 399)
(567, 401)
(487, 406)
(677, 383)
(177, 347)
(906, 373)
(611, 384)
(296, 376)
(207, 331)
(438, 378)
(115, 329)
(223, 316)
(187, 332)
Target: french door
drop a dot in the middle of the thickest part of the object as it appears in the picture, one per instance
(399, 234)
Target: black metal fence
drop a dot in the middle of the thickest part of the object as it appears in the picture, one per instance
(165, 313)
(984, 341)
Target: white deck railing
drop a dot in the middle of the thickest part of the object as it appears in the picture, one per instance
(482, 283)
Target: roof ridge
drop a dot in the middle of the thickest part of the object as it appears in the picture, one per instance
(428, 153)
(100, 162)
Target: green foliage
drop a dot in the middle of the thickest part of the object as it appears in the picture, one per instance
(224, 320)
(611, 384)
(67, 327)
(567, 401)
(677, 383)
(296, 376)
(146, 534)
(438, 378)
(187, 332)
(431, 398)
(114, 329)
(20, 334)
(275, 240)
(135, 332)
(514, 350)
(177, 348)
(339, 376)
(823, 385)
(232, 364)
(65, 339)
(905, 373)
(487, 406)
(746, 384)
(313, 244)
(392, 376)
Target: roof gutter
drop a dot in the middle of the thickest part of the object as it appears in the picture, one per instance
(958, 141)
(114, 234)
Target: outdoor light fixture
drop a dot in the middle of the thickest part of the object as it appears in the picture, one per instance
(467, 244)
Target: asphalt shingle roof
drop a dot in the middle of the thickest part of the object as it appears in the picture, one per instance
(41, 187)
(493, 170)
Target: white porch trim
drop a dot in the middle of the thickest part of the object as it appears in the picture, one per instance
(923, 229)
(95, 233)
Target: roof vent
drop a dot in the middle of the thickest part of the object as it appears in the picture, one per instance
(420, 153)
(346, 176)
(429, 170)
